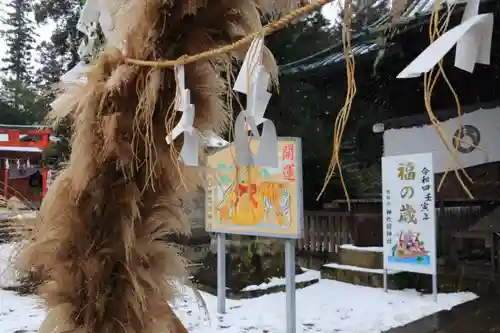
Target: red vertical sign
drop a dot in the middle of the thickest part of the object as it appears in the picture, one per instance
(288, 158)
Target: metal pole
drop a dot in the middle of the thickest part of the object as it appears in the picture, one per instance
(221, 273)
(435, 287)
(434, 276)
(385, 280)
(291, 309)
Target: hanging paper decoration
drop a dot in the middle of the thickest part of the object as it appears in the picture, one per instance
(253, 80)
(189, 151)
(88, 15)
(473, 40)
(93, 15)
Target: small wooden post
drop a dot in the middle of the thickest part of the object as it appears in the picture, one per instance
(6, 179)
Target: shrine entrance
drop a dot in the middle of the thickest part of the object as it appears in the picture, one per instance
(23, 174)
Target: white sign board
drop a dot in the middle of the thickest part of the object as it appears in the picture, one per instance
(478, 143)
(409, 213)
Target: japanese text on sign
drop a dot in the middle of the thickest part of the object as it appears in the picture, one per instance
(409, 213)
(288, 158)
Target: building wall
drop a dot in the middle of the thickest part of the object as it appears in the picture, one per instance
(482, 127)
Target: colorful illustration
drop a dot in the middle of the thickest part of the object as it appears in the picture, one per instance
(255, 199)
(410, 249)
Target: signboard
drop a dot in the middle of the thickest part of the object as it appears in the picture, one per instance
(409, 213)
(254, 200)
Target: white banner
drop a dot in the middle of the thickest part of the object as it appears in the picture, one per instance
(479, 129)
(409, 213)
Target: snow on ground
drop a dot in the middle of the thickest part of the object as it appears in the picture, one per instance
(362, 249)
(326, 307)
(8, 275)
(19, 314)
(359, 269)
(308, 275)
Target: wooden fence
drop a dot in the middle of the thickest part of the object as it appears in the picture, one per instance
(324, 232)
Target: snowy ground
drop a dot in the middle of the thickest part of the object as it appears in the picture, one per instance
(327, 306)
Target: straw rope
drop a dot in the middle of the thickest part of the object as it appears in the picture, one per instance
(343, 115)
(437, 26)
(268, 29)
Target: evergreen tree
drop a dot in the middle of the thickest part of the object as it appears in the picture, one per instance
(302, 39)
(19, 37)
(364, 13)
(50, 71)
(18, 95)
(65, 38)
(25, 107)
(57, 56)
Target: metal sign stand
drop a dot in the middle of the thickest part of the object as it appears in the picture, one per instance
(435, 287)
(294, 153)
(434, 276)
(221, 273)
(291, 308)
(385, 280)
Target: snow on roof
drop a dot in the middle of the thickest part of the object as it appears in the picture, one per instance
(23, 149)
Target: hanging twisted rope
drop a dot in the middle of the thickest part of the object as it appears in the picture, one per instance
(343, 116)
(437, 26)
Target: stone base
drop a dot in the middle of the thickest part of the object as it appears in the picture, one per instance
(369, 278)
(254, 293)
(361, 258)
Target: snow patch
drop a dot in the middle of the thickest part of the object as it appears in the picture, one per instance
(359, 269)
(8, 275)
(362, 249)
(308, 275)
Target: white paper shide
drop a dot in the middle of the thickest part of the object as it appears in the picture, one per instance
(253, 80)
(189, 151)
(472, 39)
(409, 214)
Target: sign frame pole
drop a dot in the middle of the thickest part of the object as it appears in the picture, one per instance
(291, 306)
(221, 273)
(290, 237)
(435, 275)
(385, 280)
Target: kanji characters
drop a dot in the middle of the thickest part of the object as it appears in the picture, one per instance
(406, 171)
(289, 171)
(408, 214)
(287, 154)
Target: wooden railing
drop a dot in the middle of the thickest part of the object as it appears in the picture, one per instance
(324, 232)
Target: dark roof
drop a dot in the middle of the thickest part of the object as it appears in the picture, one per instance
(416, 14)
(422, 119)
(490, 222)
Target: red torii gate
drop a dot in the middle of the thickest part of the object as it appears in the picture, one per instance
(26, 144)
